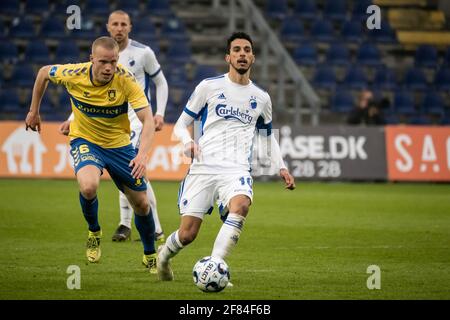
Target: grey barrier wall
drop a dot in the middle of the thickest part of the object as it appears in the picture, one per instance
(331, 153)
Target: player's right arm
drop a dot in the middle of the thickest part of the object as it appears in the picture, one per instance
(191, 112)
(33, 119)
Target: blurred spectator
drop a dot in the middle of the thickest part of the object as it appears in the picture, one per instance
(368, 111)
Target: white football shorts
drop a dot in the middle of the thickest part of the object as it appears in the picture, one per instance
(198, 192)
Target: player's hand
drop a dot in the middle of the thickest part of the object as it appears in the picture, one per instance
(192, 150)
(33, 121)
(64, 128)
(159, 122)
(139, 164)
(288, 179)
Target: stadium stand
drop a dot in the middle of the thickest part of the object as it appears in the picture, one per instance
(407, 61)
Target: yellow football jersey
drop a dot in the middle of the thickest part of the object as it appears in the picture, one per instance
(100, 112)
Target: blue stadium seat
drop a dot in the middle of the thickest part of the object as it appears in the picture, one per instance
(276, 9)
(384, 79)
(179, 52)
(447, 57)
(322, 30)
(419, 120)
(442, 79)
(3, 29)
(433, 103)
(10, 8)
(306, 9)
(37, 52)
(426, 56)
(359, 11)
(414, 79)
(445, 120)
(342, 102)
(176, 77)
(336, 10)
(159, 8)
(355, 78)
(132, 7)
(384, 35)
(67, 52)
(10, 101)
(352, 31)
(338, 55)
(23, 75)
(292, 29)
(64, 102)
(97, 7)
(144, 29)
(204, 71)
(22, 28)
(8, 52)
(305, 54)
(37, 7)
(404, 103)
(324, 78)
(53, 28)
(87, 31)
(368, 55)
(392, 118)
(174, 29)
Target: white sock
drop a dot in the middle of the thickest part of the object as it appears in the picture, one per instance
(126, 211)
(152, 199)
(171, 247)
(228, 235)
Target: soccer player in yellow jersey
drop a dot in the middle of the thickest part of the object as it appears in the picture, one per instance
(101, 92)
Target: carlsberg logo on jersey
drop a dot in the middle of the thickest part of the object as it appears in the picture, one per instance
(224, 111)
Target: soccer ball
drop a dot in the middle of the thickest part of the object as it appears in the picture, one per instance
(211, 274)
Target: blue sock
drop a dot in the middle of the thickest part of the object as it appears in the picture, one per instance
(145, 225)
(90, 212)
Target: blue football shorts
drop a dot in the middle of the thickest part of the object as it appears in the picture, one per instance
(115, 160)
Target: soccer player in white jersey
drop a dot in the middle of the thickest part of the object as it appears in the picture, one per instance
(231, 107)
(141, 60)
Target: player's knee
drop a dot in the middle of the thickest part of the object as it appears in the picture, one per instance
(142, 208)
(242, 208)
(186, 236)
(88, 190)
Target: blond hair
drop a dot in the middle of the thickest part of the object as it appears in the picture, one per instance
(105, 42)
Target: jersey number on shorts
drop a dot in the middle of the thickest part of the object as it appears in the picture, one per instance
(249, 181)
(84, 148)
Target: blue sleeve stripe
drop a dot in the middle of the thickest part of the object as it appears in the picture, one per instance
(154, 74)
(260, 125)
(189, 112)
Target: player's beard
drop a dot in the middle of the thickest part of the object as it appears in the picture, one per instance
(241, 71)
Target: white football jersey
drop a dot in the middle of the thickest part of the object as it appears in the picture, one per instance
(141, 60)
(228, 114)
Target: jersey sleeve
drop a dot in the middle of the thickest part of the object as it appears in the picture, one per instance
(135, 95)
(264, 121)
(196, 101)
(64, 73)
(151, 64)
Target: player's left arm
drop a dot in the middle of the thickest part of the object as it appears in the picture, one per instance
(138, 101)
(139, 163)
(265, 129)
(33, 119)
(152, 67)
(284, 172)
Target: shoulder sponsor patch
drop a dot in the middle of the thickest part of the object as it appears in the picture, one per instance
(52, 71)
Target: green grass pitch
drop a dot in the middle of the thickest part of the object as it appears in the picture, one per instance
(313, 243)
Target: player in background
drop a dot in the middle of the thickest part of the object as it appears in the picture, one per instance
(231, 109)
(101, 91)
(141, 60)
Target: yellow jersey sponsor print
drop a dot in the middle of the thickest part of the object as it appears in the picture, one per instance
(100, 112)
